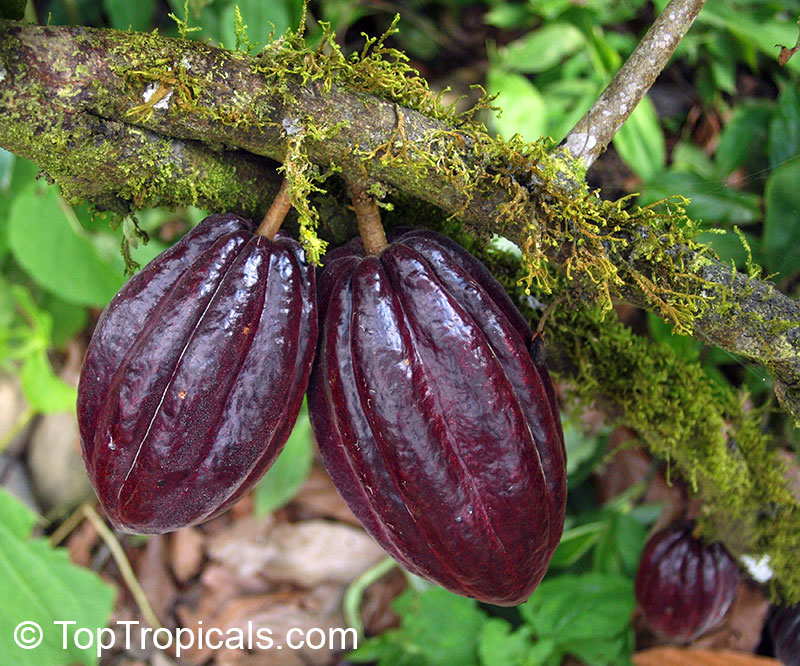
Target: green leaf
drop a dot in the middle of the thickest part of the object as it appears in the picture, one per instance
(587, 614)
(44, 390)
(284, 478)
(500, 645)
(125, 14)
(524, 110)
(68, 319)
(782, 223)
(620, 546)
(507, 16)
(578, 607)
(640, 141)
(761, 34)
(576, 542)
(566, 102)
(48, 243)
(43, 586)
(542, 49)
(784, 130)
(743, 140)
(12, 9)
(17, 518)
(438, 629)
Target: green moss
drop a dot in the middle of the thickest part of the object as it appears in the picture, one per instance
(695, 424)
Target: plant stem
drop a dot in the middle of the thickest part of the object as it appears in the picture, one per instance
(277, 212)
(592, 134)
(368, 217)
(351, 604)
(123, 564)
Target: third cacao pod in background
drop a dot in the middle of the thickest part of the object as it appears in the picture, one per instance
(195, 375)
(438, 429)
(784, 627)
(684, 586)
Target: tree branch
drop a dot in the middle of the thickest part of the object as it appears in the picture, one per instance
(224, 99)
(592, 134)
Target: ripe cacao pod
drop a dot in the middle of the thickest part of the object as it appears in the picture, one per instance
(437, 427)
(784, 627)
(195, 374)
(684, 586)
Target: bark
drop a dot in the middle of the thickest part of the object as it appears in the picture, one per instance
(74, 100)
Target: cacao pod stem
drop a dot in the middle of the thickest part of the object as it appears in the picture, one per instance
(369, 219)
(277, 211)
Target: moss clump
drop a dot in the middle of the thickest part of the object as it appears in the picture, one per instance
(695, 424)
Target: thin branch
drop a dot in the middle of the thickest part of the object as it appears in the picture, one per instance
(592, 134)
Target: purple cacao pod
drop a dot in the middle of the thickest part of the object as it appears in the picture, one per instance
(684, 587)
(437, 427)
(195, 374)
(784, 627)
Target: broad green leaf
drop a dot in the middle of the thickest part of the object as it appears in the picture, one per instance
(743, 140)
(17, 518)
(576, 542)
(542, 49)
(763, 35)
(44, 390)
(524, 110)
(500, 645)
(507, 16)
(52, 248)
(620, 546)
(40, 584)
(438, 629)
(784, 130)
(549, 9)
(592, 610)
(284, 478)
(640, 141)
(125, 14)
(782, 221)
(580, 448)
(68, 319)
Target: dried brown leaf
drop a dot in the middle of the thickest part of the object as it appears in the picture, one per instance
(307, 553)
(186, 553)
(318, 498)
